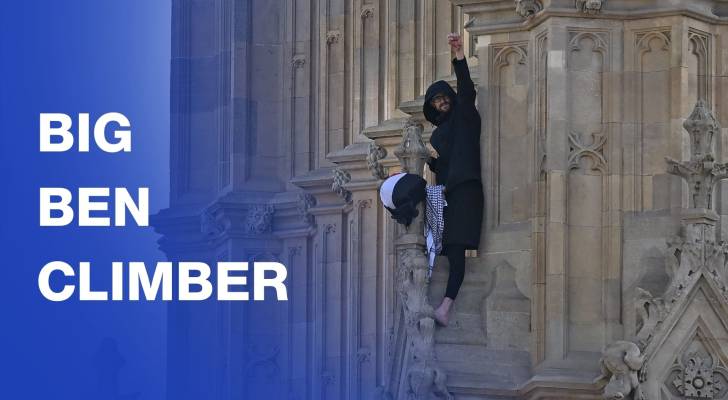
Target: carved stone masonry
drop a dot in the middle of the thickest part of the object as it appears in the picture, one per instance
(528, 8)
(620, 364)
(210, 225)
(424, 378)
(690, 256)
(341, 178)
(698, 376)
(650, 312)
(702, 172)
(298, 61)
(589, 6)
(593, 151)
(376, 153)
(696, 249)
(305, 202)
(259, 219)
(333, 37)
(367, 11)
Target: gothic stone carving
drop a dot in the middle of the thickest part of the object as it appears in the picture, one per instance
(367, 11)
(411, 152)
(341, 178)
(259, 219)
(424, 378)
(376, 153)
(210, 225)
(692, 251)
(592, 151)
(333, 37)
(528, 8)
(698, 376)
(305, 202)
(298, 61)
(589, 6)
(650, 312)
(621, 363)
(692, 255)
(696, 248)
(701, 172)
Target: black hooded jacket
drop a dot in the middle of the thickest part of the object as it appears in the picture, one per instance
(457, 136)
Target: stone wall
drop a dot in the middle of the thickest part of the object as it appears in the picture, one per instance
(285, 117)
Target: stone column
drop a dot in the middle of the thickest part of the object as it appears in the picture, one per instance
(424, 378)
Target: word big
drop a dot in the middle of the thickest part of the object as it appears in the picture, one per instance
(56, 125)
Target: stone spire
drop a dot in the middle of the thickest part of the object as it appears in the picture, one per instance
(695, 261)
(696, 248)
(424, 378)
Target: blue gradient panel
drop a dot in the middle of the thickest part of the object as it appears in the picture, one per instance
(96, 57)
(81, 57)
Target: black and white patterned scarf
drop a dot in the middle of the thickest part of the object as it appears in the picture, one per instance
(434, 223)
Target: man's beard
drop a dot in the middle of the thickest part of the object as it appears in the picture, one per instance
(443, 115)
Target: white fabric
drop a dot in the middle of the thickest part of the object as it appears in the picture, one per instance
(385, 192)
(430, 251)
(434, 223)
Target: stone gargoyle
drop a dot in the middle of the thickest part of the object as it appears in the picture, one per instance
(621, 364)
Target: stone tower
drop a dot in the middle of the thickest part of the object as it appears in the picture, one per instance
(287, 115)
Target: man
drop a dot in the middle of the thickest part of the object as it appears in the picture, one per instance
(456, 164)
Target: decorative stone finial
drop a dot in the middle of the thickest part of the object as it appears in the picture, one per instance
(702, 173)
(701, 126)
(412, 153)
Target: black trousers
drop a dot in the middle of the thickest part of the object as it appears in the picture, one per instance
(456, 257)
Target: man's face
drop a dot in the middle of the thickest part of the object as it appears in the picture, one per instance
(441, 102)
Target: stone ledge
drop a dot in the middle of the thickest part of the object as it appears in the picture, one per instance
(499, 16)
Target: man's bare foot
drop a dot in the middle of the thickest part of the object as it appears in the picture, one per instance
(442, 313)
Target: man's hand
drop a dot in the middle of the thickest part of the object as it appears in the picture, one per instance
(456, 44)
(433, 152)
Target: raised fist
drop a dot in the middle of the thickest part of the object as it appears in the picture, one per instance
(455, 41)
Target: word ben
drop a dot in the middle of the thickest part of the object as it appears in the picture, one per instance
(56, 210)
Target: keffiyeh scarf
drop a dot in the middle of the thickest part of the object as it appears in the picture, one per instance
(434, 223)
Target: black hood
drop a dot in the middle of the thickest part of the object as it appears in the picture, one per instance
(431, 114)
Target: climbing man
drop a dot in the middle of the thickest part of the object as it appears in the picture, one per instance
(455, 160)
